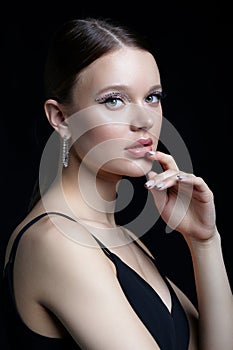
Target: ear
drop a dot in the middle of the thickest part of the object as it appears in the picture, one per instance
(56, 117)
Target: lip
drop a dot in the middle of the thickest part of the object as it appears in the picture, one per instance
(140, 147)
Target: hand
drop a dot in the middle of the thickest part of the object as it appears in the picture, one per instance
(184, 201)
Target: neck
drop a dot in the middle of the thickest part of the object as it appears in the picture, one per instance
(91, 196)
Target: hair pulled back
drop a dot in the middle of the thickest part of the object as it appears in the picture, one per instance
(76, 45)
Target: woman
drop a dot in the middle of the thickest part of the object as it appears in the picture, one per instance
(74, 279)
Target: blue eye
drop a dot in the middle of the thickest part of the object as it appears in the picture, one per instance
(154, 97)
(113, 102)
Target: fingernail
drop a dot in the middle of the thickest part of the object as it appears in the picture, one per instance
(149, 183)
(160, 185)
(151, 153)
(180, 177)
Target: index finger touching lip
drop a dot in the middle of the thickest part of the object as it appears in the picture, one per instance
(166, 160)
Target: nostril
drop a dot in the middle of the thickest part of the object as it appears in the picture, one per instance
(136, 127)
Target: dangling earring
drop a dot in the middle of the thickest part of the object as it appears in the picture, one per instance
(65, 152)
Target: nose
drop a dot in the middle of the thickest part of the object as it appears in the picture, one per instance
(142, 120)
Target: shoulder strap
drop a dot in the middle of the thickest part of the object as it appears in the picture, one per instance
(29, 224)
(104, 248)
(37, 218)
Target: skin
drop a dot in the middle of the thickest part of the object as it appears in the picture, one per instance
(91, 288)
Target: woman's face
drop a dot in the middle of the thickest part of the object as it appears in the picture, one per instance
(118, 114)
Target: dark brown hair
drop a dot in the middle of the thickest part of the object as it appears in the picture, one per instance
(76, 45)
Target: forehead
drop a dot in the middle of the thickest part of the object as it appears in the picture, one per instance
(126, 66)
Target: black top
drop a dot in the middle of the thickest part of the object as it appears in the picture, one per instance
(169, 329)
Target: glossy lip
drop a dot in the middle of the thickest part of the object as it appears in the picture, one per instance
(142, 142)
(140, 147)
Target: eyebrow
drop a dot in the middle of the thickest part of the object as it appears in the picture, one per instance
(120, 87)
(155, 87)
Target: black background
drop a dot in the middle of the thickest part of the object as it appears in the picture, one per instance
(193, 42)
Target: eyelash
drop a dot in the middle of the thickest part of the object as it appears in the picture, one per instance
(158, 94)
(116, 95)
(110, 96)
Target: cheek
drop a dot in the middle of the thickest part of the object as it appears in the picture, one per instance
(100, 139)
(103, 148)
(107, 132)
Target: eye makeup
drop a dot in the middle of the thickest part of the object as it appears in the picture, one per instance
(124, 97)
(112, 95)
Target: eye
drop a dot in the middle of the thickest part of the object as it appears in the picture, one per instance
(113, 102)
(154, 98)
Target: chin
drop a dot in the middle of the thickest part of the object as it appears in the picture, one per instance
(131, 168)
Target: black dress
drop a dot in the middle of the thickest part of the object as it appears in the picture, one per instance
(169, 329)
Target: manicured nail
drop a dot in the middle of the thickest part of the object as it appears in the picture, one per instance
(160, 185)
(180, 177)
(151, 153)
(149, 183)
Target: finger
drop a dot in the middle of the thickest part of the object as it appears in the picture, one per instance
(196, 181)
(162, 181)
(181, 186)
(201, 191)
(166, 160)
(160, 198)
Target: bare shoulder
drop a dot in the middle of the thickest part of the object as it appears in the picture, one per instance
(54, 234)
(51, 241)
(61, 229)
(57, 251)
